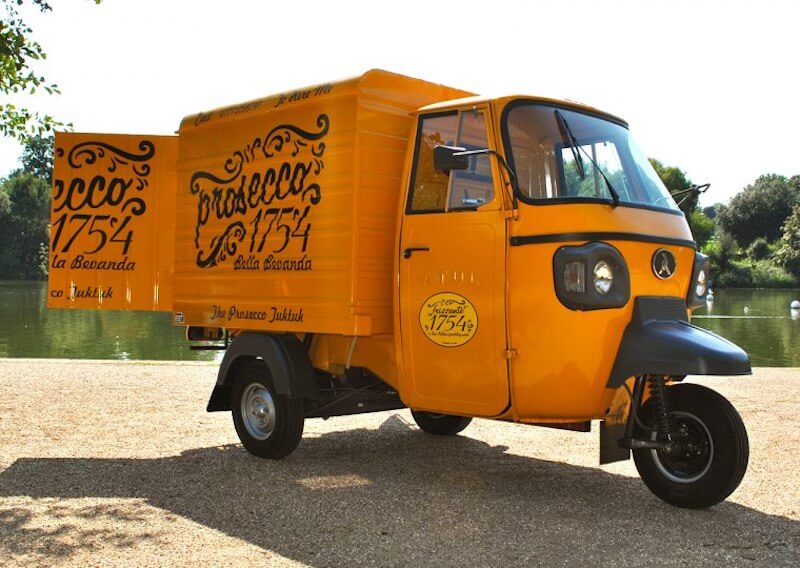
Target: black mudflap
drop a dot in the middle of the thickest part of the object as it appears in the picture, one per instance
(610, 435)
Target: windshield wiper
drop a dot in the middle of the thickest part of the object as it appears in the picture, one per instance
(572, 143)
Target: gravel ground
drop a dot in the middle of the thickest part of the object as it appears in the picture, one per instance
(108, 463)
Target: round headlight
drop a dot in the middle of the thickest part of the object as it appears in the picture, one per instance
(701, 286)
(603, 277)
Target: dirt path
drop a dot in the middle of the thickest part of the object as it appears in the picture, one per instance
(108, 463)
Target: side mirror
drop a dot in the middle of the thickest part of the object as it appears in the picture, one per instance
(445, 158)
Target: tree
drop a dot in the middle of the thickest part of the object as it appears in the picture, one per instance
(760, 209)
(18, 54)
(30, 196)
(712, 210)
(8, 251)
(702, 227)
(24, 210)
(788, 255)
(37, 157)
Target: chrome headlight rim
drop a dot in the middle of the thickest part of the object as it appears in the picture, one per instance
(603, 276)
(701, 283)
(702, 264)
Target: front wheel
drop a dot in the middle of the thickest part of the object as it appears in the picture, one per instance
(440, 424)
(709, 452)
(268, 424)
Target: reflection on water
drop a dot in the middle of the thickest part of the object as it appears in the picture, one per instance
(29, 329)
(760, 321)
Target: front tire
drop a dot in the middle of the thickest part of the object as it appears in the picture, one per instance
(269, 425)
(712, 449)
(440, 424)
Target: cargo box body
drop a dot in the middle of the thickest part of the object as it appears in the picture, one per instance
(287, 207)
(282, 211)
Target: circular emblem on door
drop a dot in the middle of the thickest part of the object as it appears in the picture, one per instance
(664, 264)
(448, 319)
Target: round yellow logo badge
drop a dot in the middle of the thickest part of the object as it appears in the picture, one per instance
(448, 319)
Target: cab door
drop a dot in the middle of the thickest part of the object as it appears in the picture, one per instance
(452, 275)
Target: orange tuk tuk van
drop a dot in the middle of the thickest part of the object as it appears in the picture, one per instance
(384, 242)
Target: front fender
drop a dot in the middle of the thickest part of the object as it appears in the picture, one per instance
(659, 340)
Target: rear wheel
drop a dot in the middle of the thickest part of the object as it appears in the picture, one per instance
(709, 453)
(440, 424)
(268, 424)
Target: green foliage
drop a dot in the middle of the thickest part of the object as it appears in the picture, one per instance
(702, 227)
(759, 249)
(788, 253)
(736, 275)
(30, 196)
(5, 205)
(676, 179)
(18, 54)
(37, 157)
(760, 209)
(722, 251)
(712, 210)
(767, 274)
(761, 274)
(24, 211)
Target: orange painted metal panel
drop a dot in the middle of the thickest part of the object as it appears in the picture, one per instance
(112, 222)
(286, 207)
(564, 357)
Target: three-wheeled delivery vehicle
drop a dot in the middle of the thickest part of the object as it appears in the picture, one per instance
(384, 242)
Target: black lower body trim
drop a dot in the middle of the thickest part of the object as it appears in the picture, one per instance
(599, 236)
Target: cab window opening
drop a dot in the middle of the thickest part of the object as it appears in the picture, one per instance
(461, 190)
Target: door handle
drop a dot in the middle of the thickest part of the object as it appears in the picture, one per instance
(410, 250)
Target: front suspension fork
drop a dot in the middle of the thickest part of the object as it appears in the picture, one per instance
(664, 435)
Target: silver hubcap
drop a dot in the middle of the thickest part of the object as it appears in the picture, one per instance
(258, 411)
(697, 458)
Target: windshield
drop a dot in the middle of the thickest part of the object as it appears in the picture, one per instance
(549, 166)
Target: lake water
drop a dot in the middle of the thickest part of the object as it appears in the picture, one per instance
(29, 329)
(758, 320)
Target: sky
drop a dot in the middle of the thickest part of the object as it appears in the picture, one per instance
(710, 87)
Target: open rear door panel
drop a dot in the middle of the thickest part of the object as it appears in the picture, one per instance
(112, 221)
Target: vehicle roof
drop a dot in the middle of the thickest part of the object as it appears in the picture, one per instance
(379, 81)
(502, 101)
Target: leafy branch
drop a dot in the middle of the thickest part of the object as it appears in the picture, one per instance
(18, 56)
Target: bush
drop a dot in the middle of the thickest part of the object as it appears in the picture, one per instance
(722, 251)
(759, 249)
(761, 274)
(766, 274)
(735, 275)
(702, 227)
(788, 253)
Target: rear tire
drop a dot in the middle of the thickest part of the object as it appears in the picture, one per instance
(440, 424)
(268, 424)
(714, 451)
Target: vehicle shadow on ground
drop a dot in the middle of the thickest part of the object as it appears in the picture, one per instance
(395, 496)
